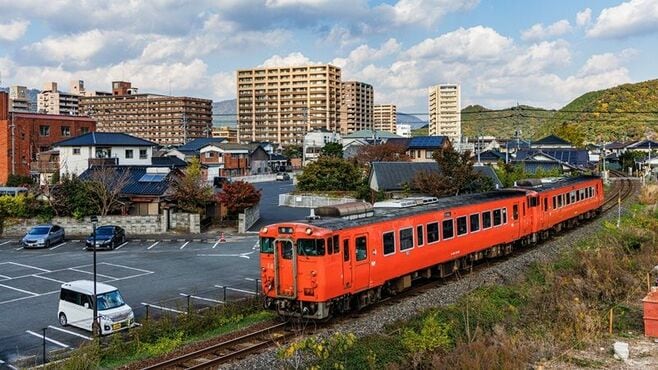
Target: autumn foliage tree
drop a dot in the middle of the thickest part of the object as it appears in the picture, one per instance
(238, 196)
(387, 152)
(330, 174)
(456, 175)
(191, 191)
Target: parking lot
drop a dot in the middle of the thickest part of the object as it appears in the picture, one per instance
(166, 275)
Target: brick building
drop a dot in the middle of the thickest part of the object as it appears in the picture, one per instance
(32, 133)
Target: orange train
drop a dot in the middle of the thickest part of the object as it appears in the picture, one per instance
(316, 268)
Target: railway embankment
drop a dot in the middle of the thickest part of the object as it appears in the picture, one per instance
(549, 307)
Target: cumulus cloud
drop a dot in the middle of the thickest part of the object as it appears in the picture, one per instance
(295, 58)
(425, 12)
(584, 18)
(539, 32)
(634, 17)
(78, 47)
(365, 53)
(473, 44)
(13, 30)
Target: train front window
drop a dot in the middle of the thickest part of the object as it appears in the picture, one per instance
(267, 245)
(310, 247)
(285, 246)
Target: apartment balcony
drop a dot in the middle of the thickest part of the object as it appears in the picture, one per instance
(103, 162)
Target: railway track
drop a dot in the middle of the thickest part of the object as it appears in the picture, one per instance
(232, 349)
(240, 347)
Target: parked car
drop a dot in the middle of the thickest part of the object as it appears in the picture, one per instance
(107, 237)
(282, 176)
(43, 236)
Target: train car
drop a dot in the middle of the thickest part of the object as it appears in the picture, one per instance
(316, 268)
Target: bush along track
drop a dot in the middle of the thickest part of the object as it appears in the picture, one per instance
(543, 317)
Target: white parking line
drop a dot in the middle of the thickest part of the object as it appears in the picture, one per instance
(183, 246)
(19, 290)
(57, 246)
(47, 278)
(28, 266)
(121, 246)
(17, 249)
(91, 273)
(163, 308)
(153, 245)
(12, 367)
(202, 298)
(215, 245)
(69, 332)
(47, 339)
(250, 279)
(28, 297)
(236, 290)
(7, 242)
(5, 277)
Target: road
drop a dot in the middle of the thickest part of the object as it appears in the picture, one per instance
(270, 212)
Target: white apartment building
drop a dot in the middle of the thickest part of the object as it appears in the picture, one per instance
(403, 129)
(385, 117)
(52, 101)
(18, 99)
(314, 141)
(445, 111)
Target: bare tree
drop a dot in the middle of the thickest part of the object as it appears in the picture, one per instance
(105, 185)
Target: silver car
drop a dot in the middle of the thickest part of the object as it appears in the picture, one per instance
(43, 236)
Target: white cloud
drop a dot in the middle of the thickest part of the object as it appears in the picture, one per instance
(473, 44)
(295, 58)
(584, 18)
(224, 85)
(425, 12)
(79, 47)
(539, 32)
(540, 57)
(13, 30)
(627, 19)
(365, 53)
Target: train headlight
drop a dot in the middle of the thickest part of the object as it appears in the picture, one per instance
(263, 230)
(309, 231)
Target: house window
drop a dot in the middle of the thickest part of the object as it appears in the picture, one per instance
(406, 239)
(142, 154)
(448, 229)
(44, 130)
(129, 153)
(209, 154)
(76, 151)
(389, 243)
(432, 232)
(428, 154)
(84, 130)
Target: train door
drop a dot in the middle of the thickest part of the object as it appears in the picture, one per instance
(347, 264)
(361, 278)
(285, 268)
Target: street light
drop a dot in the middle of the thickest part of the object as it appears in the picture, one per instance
(95, 325)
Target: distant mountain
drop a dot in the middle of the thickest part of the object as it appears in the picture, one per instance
(504, 123)
(414, 121)
(225, 113)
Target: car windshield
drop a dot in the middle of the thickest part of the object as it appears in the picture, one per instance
(39, 230)
(104, 231)
(110, 300)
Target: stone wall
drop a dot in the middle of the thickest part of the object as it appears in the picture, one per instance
(311, 201)
(134, 225)
(248, 218)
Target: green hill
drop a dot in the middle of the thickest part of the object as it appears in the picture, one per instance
(624, 112)
(478, 120)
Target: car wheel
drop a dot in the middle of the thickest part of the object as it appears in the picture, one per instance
(47, 244)
(63, 321)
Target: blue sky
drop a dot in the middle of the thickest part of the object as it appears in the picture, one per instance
(541, 53)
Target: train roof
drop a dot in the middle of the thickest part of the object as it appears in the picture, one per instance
(383, 214)
(565, 181)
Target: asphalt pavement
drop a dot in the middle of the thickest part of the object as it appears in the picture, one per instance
(270, 211)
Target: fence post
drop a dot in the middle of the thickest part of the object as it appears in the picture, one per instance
(257, 286)
(44, 346)
(224, 294)
(147, 312)
(188, 304)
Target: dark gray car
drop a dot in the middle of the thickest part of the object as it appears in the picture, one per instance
(43, 236)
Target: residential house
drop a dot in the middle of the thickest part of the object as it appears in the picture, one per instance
(77, 154)
(192, 148)
(577, 158)
(226, 159)
(491, 157)
(551, 142)
(533, 161)
(315, 140)
(421, 148)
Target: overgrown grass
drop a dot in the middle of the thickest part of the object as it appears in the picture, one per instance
(556, 306)
(157, 338)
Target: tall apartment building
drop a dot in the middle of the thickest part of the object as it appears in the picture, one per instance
(445, 111)
(356, 105)
(52, 101)
(227, 132)
(18, 99)
(385, 117)
(281, 104)
(166, 120)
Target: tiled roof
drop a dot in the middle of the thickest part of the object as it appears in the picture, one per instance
(391, 176)
(168, 161)
(573, 157)
(427, 142)
(105, 138)
(134, 186)
(399, 141)
(196, 144)
(370, 133)
(644, 144)
(491, 155)
(551, 140)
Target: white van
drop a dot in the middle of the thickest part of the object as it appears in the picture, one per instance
(75, 307)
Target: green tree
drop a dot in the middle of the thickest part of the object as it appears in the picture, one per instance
(332, 150)
(456, 175)
(71, 197)
(292, 151)
(330, 174)
(238, 196)
(510, 173)
(190, 191)
(19, 180)
(627, 159)
(387, 152)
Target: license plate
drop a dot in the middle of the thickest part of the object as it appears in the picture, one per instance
(116, 326)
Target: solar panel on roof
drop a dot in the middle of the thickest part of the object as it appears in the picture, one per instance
(153, 177)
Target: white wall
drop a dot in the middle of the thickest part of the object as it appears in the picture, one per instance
(75, 164)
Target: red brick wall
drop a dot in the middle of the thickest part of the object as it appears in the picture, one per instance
(27, 139)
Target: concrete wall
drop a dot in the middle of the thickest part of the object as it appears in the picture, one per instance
(134, 225)
(248, 218)
(311, 201)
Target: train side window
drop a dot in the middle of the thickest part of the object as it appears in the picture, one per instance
(419, 235)
(573, 196)
(475, 222)
(504, 211)
(432, 233)
(497, 218)
(448, 229)
(545, 204)
(346, 250)
(361, 248)
(523, 209)
(559, 201)
(554, 202)
(406, 239)
(330, 245)
(336, 244)
(389, 243)
(267, 245)
(462, 227)
(486, 220)
(515, 211)
(533, 202)
(578, 192)
(567, 199)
